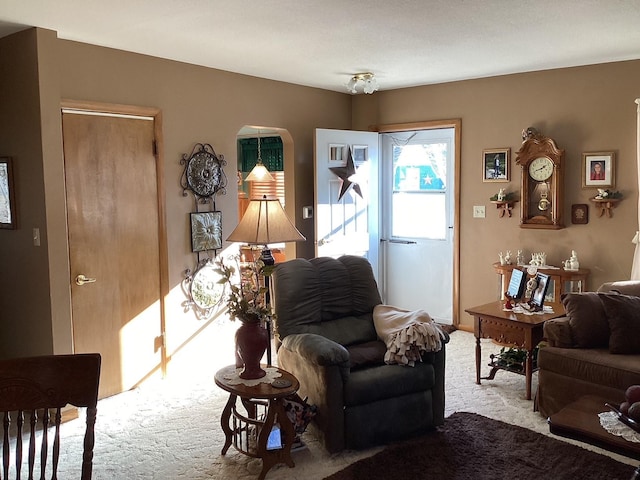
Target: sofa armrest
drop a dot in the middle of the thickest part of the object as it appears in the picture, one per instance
(321, 366)
(557, 332)
(317, 349)
(625, 287)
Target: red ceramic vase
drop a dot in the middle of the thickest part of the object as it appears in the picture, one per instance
(251, 343)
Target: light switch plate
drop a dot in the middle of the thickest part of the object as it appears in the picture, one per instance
(478, 211)
(307, 212)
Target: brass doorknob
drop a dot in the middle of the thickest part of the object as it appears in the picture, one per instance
(81, 280)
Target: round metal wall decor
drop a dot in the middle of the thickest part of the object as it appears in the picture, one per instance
(205, 289)
(203, 173)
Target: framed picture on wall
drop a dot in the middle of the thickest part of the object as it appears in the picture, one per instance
(495, 165)
(7, 194)
(598, 170)
(580, 213)
(206, 231)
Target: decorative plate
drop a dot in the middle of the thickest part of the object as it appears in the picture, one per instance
(203, 173)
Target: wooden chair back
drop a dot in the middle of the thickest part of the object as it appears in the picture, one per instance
(33, 392)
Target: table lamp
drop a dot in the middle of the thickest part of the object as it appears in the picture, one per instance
(265, 222)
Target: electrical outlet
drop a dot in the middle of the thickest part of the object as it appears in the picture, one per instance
(478, 211)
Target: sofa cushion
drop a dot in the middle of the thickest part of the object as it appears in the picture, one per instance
(366, 354)
(623, 315)
(595, 365)
(589, 325)
(368, 385)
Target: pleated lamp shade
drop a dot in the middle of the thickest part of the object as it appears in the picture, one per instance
(265, 222)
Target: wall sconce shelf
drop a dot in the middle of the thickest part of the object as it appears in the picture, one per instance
(605, 205)
(505, 206)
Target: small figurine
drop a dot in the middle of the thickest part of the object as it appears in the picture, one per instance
(531, 286)
(501, 258)
(501, 195)
(520, 258)
(508, 305)
(538, 259)
(507, 258)
(528, 133)
(572, 264)
(602, 194)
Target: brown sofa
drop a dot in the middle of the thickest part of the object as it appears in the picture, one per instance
(593, 350)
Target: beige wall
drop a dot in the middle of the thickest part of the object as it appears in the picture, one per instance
(25, 309)
(199, 105)
(584, 109)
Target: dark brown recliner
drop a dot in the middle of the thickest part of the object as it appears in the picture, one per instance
(324, 309)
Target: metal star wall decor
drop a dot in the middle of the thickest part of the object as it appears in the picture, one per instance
(344, 173)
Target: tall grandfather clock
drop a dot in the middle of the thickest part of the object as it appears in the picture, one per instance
(542, 181)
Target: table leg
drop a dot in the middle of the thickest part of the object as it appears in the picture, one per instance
(275, 414)
(528, 371)
(224, 422)
(478, 357)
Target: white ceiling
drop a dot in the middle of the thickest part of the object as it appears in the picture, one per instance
(322, 43)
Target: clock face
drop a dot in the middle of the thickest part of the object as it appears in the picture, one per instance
(540, 169)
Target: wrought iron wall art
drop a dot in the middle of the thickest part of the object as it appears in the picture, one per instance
(204, 176)
(203, 173)
(206, 231)
(203, 289)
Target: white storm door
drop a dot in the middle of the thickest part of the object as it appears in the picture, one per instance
(347, 225)
(417, 180)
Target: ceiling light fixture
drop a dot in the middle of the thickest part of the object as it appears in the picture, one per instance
(259, 172)
(366, 81)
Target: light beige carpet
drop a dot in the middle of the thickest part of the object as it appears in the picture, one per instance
(170, 429)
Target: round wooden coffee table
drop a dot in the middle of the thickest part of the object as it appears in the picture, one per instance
(264, 431)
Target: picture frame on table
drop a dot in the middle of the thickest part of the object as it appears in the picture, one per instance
(496, 166)
(598, 169)
(540, 292)
(7, 195)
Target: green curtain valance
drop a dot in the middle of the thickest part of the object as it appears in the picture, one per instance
(270, 150)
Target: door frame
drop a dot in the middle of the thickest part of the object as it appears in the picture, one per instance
(163, 250)
(456, 124)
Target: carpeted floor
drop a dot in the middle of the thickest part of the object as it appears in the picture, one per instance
(473, 446)
(170, 429)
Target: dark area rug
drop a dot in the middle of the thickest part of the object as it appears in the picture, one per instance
(470, 446)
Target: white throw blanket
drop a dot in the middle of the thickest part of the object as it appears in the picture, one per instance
(406, 334)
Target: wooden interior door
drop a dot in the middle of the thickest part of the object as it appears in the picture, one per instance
(112, 202)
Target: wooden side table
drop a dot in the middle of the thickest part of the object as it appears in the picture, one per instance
(249, 433)
(517, 329)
